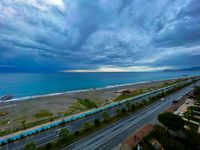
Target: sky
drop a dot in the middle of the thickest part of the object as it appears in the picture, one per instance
(98, 35)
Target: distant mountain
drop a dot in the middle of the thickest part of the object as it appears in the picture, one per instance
(197, 68)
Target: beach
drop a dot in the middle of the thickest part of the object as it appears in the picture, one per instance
(60, 104)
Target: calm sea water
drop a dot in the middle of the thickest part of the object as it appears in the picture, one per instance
(29, 84)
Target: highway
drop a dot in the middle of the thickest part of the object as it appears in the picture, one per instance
(111, 136)
(105, 138)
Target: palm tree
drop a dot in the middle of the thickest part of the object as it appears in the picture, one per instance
(128, 106)
(188, 114)
(63, 134)
(132, 107)
(118, 111)
(105, 115)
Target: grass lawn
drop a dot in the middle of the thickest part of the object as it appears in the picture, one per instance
(43, 113)
(87, 103)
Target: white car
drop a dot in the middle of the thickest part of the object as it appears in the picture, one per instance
(186, 102)
(178, 113)
(162, 99)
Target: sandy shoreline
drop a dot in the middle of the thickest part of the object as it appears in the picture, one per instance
(60, 103)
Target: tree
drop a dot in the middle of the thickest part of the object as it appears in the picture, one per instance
(96, 122)
(30, 146)
(123, 110)
(48, 146)
(86, 126)
(105, 115)
(196, 93)
(62, 122)
(118, 112)
(171, 121)
(188, 114)
(51, 117)
(63, 134)
(144, 102)
(76, 133)
(196, 90)
(132, 107)
(24, 124)
(128, 106)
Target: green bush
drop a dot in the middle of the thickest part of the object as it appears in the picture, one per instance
(171, 121)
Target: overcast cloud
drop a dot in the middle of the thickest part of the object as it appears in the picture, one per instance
(56, 35)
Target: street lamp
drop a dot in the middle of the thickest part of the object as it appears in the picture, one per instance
(11, 125)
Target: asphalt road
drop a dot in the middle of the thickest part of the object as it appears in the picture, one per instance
(111, 136)
(132, 122)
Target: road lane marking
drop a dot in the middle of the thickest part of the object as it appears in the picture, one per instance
(127, 126)
(34, 140)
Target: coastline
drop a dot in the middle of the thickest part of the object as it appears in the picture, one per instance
(64, 103)
(90, 89)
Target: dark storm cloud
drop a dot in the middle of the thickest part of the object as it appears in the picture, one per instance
(54, 35)
(184, 29)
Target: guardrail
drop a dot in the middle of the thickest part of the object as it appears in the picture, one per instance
(28, 132)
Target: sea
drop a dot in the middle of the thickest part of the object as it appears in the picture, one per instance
(25, 85)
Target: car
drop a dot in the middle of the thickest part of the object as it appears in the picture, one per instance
(175, 101)
(162, 99)
(181, 114)
(186, 102)
(178, 113)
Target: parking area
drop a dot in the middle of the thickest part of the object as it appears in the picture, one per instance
(183, 108)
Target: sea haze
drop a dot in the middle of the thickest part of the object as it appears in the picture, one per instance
(31, 84)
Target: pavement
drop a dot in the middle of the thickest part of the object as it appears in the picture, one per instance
(184, 106)
(106, 138)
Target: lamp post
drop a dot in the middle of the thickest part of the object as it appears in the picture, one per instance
(11, 125)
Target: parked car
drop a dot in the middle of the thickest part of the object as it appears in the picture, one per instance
(175, 101)
(186, 102)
